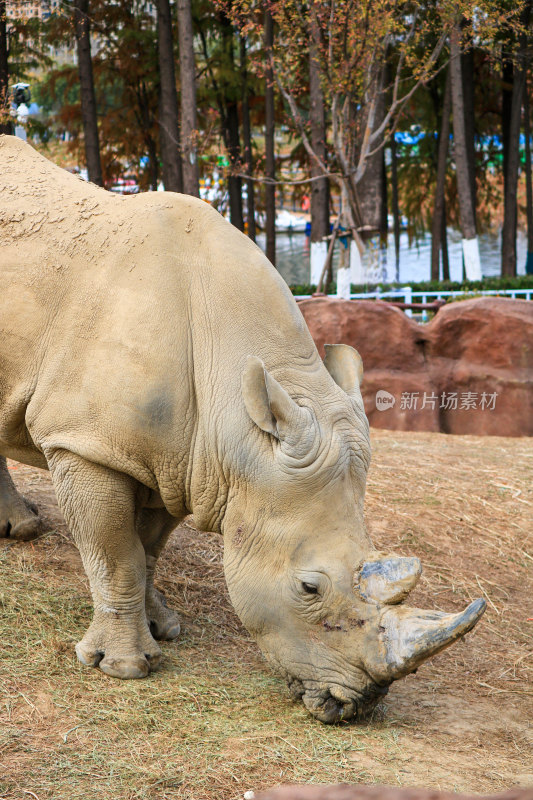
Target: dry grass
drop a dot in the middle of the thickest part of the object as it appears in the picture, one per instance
(214, 722)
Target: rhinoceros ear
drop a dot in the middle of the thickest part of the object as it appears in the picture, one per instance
(255, 395)
(345, 366)
(269, 405)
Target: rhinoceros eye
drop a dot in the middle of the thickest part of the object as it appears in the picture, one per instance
(309, 588)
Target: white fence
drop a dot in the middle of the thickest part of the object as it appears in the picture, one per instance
(407, 295)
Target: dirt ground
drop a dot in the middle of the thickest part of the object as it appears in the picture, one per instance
(213, 722)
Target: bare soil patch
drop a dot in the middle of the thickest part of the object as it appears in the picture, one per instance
(213, 722)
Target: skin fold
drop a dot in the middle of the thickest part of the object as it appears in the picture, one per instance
(155, 362)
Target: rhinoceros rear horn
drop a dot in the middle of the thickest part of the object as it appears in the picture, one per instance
(271, 408)
(408, 636)
(389, 579)
(345, 366)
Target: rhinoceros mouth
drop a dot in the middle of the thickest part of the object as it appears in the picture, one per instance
(336, 703)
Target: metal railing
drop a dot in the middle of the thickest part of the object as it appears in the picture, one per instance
(409, 296)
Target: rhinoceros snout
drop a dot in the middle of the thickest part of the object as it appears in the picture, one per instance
(337, 704)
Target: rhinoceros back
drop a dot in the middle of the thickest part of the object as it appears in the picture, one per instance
(128, 319)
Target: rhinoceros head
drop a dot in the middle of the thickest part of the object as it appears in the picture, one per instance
(324, 606)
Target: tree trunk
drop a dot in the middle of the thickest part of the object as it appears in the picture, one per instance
(468, 73)
(326, 276)
(230, 123)
(529, 187)
(370, 187)
(5, 124)
(154, 162)
(384, 220)
(395, 207)
(513, 158)
(507, 100)
(234, 150)
(169, 134)
(88, 100)
(468, 223)
(270, 164)
(247, 141)
(189, 131)
(444, 245)
(319, 188)
(141, 96)
(438, 222)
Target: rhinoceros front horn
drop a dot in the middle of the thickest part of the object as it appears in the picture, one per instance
(408, 636)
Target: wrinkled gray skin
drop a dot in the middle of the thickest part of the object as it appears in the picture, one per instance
(157, 365)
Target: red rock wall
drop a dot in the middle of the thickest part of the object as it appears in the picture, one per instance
(344, 791)
(470, 370)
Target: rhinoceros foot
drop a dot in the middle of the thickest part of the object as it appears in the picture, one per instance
(163, 621)
(121, 648)
(19, 518)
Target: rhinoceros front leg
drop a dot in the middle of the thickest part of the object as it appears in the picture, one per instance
(154, 526)
(19, 519)
(99, 507)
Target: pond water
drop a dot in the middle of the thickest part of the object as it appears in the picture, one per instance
(292, 252)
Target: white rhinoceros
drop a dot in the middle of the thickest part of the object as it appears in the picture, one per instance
(154, 361)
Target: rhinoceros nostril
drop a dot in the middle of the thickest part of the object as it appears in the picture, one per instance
(296, 688)
(332, 710)
(325, 707)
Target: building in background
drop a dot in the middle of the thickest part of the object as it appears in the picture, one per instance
(42, 9)
(30, 8)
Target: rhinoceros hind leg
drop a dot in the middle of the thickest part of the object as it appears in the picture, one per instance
(163, 621)
(154, 527)
(99, 507)
(19, 519)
